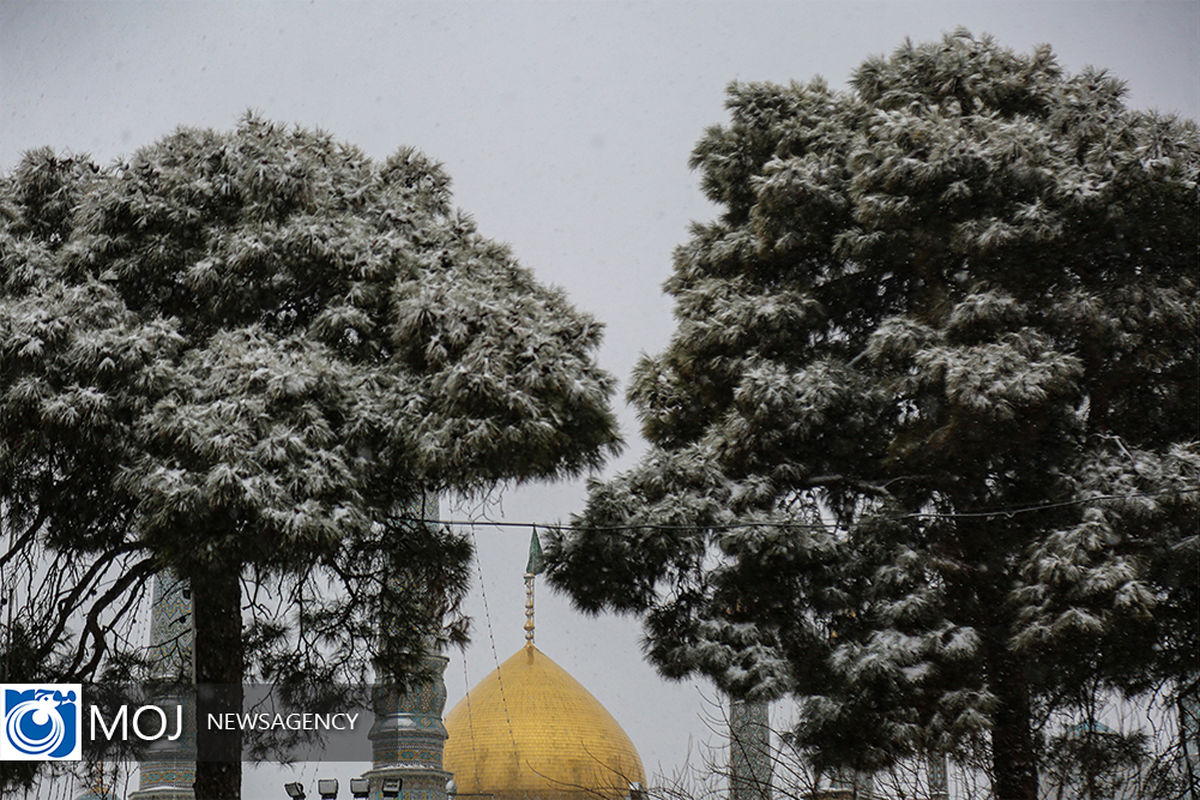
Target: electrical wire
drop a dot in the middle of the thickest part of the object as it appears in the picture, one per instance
(1009, 511)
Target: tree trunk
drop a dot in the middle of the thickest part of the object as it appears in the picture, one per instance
(1189, 736)
(217, 615)
(1014, 759)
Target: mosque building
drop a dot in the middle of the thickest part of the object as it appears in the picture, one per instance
(530, 731)
(527, 731)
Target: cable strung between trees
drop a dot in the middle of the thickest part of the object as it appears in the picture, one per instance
(996, 512)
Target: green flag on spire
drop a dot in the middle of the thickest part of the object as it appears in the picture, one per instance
(537, 563)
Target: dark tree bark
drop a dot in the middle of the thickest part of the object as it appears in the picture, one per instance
(1014, 759)
(217, 612)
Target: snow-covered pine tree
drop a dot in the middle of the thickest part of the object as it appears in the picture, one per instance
(241, 353)
(944, 317)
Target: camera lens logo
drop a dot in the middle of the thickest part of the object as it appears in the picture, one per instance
(41, 723)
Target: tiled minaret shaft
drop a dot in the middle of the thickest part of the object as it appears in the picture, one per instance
(750, 756)
(939, 783)
(168, 769)
(408, 736)
(861, 785)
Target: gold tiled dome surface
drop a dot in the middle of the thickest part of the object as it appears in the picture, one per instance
(561, 742)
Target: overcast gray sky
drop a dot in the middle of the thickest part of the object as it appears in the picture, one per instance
(567, 129)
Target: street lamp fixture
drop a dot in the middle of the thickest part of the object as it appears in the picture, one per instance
(327, 788)
(360, 788)
(295, 790)
(391, 787)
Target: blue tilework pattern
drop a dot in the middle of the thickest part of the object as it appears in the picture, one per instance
(408, 737)
(169, 770)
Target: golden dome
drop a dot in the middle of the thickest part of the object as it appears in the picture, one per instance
(529, 730)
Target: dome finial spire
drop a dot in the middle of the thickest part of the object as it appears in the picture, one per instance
(533, 566)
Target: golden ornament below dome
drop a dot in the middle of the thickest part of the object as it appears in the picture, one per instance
(529, 731)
